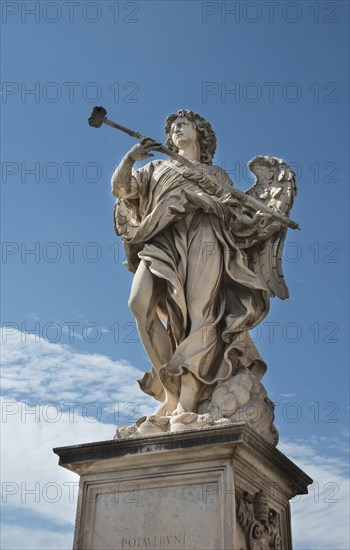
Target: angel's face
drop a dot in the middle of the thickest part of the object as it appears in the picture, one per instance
(183, 132)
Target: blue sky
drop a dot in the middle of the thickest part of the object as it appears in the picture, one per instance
(272, 79)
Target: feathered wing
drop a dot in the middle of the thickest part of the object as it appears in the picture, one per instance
(275, 186)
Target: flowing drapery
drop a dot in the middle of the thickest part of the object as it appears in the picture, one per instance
(211, 298)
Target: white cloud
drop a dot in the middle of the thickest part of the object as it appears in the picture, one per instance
(320, 519)
(31, 477)
(24, 538)
(54, 396)
(36, 371)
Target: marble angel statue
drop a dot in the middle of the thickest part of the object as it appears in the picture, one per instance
(205, 265)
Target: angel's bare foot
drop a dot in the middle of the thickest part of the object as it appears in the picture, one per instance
(167, 406)
(188, 394)
(179, 409)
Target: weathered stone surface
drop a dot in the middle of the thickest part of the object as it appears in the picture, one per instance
(216, 488)
(207, 258)
(241, 398)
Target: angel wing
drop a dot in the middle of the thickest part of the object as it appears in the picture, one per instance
(276, 187)
(126, 222)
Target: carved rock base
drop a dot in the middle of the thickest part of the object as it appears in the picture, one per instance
(216, 488)
(242, 398)
(149, 425)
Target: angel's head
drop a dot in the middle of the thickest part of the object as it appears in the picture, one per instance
(187, 125)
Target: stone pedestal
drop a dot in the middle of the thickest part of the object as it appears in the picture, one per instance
(211, 489)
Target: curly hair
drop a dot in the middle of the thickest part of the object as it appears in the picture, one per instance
(206, 135)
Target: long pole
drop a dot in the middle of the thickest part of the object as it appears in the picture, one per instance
(98, 117)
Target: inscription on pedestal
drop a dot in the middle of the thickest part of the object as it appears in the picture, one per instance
(160, 541)
(164, 514)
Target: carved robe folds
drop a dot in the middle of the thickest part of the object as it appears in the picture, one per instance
(211, 298)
